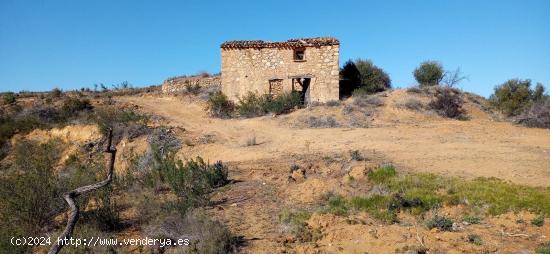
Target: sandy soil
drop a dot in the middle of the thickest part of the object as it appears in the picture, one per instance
(414, 141)
(411, 140)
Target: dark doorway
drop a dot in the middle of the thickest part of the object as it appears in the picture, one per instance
(302, 85)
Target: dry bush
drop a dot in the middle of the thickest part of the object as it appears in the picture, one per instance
(322, 122)
(333, 103)
(538, 115)
(205, 235)
(347, 109)
(366, 101)
(251, 141)
(218, 105)
(413, 104)
(448, 103)
(414, 89)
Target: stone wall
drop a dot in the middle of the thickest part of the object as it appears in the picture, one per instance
(251, 69)
(176, 85)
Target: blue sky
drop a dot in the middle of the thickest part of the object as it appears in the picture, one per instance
(72, 44)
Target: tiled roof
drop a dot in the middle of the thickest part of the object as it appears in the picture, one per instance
(293, 43)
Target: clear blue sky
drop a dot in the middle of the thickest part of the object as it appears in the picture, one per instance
(72, 44)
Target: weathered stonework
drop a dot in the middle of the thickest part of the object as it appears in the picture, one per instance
(176, 85)
(268, 67)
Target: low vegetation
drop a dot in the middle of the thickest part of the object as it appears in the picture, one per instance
(252, 104)
(218, 105)
(448, 103)
(296, 221)
(420, 192)
(515, 96)
(538, 115)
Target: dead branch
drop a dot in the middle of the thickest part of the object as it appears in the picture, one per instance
(72, 195)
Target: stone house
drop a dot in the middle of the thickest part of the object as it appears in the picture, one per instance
(309, 66)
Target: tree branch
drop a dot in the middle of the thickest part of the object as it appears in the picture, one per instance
(72, 195)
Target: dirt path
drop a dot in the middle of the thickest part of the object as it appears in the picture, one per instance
(478, 147)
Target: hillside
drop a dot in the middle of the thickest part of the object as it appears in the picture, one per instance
(362, 174)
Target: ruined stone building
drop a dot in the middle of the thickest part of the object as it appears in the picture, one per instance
(309, 66)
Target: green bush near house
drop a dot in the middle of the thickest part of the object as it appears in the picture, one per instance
(253, 104)
(365, 77)
(429, 73)
(218, 105)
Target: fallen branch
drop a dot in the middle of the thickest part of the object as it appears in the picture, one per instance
(512, 235)
(72, 195)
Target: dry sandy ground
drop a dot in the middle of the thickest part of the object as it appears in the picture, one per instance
(413, 141)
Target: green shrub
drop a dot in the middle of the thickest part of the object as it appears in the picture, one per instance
(538, 221)
(377, 206)
(475, 239)
(336, 204)
(74, 105)
(356, 155)
(219, 106)
(109, 117)
(56, 93)
(194, 88)
(106, 215)
(382, 174)
(472, 219)
(441, 222)
(515, 95)
(544, 248)
(30, 194)
(192, 180)
(297, 221)
(205, 234)
(429, 73)
(9, 98)
(366, 77)
(283, 103)
(217, 174)
(252, 104)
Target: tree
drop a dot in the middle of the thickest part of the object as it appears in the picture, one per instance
(429, 73)
(72, 195)
(453, 78)
(9, 98)
(538, 94)
(364, 75)
(514, 96)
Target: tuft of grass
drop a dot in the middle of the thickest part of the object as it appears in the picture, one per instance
(472, 219)
(544, 248)
(297, 220)
(251, 141)
(538, 221)
(382, 174)
(441, 222)
(475, 239)
(356, 155)
(336, 204)
(377, 206)
(322, 122)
